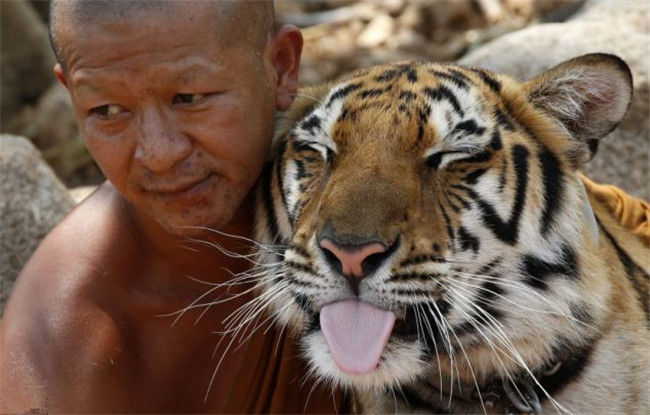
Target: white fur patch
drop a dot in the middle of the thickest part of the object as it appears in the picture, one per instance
(400, 363)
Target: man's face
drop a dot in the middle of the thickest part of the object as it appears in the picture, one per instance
(179, 123)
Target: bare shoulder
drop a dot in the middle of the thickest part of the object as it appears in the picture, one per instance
(54, 319)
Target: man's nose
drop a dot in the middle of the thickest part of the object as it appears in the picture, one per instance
(160, 145)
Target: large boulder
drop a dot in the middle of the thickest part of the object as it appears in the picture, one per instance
(27, 59)
(623, 156)
(32, 202)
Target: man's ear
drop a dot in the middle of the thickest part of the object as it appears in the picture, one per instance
(588, 95)
(58, 71)
(287, 46)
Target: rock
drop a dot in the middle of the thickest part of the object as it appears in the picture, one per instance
(377, 32)
(27, 59)
(557, 10)
(32, 202)
(55, 121)
(52, 127)
(631, 13)
(623, 156)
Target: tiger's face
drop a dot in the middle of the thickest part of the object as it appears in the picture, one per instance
(430, 216)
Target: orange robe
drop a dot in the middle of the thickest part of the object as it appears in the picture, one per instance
(629, 211)
(273, 379)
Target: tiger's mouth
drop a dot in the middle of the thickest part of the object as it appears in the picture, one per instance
(357, 333)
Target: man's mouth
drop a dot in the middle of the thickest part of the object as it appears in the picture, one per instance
(180, 188)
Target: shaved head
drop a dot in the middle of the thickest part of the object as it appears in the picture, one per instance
(246, 22)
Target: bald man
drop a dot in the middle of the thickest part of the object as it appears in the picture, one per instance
(175, 101)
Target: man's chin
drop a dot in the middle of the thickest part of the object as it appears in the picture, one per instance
(197, 229)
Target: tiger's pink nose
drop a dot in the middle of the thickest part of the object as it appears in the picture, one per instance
(351, 257)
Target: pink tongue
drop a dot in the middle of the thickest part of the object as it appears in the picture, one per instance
(356, 333)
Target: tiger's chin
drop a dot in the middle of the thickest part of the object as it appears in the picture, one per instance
(401, 363)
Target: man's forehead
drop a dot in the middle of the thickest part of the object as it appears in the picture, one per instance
(229, 22)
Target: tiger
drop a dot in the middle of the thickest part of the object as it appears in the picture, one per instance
(425, 234)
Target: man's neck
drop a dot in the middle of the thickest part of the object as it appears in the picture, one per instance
(199, 253)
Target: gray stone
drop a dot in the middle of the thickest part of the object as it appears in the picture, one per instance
(55, 121)
(628, 13)
(32, 202)
(623, 158)
(27, 59)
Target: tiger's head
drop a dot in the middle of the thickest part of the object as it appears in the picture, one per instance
(430, 218)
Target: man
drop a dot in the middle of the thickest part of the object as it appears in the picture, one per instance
(175, 101)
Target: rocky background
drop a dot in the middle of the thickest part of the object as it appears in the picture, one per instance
(45, 169)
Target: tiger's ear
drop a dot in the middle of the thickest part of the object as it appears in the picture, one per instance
(588, 95)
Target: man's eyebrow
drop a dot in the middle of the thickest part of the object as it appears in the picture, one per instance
(185, 74)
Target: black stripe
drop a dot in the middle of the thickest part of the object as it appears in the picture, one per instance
(420, 259)
(301, 145)
(330, 154)
(495, 142)
(462, 201)
(502, 175)
(433, 161)
(348, 114)
(456, 78)
(300, 251)
(460, 75)
(492, 83)
(631, 268)
(343, 92)
(390, 74)
(487, 296)
(569, 371)
(423, 117)
(411, 75)
(469, 127)
(538, 270)
(480, 157)
(413, 276)
(452, 204)
(470, 193)
(310, 124)
(267, 199)
(408, 96)
(282, 148)
(301, 171)
(468, 240)
(503, 120)
(387, 76)
(552, 180)
(593, 146)
(442, 92)
(472, 178)
(448, 227)
(370, 93)
(303, 302)
(508, 231)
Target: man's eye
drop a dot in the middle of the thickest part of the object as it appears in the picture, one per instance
(187, 98)
(107, 111)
